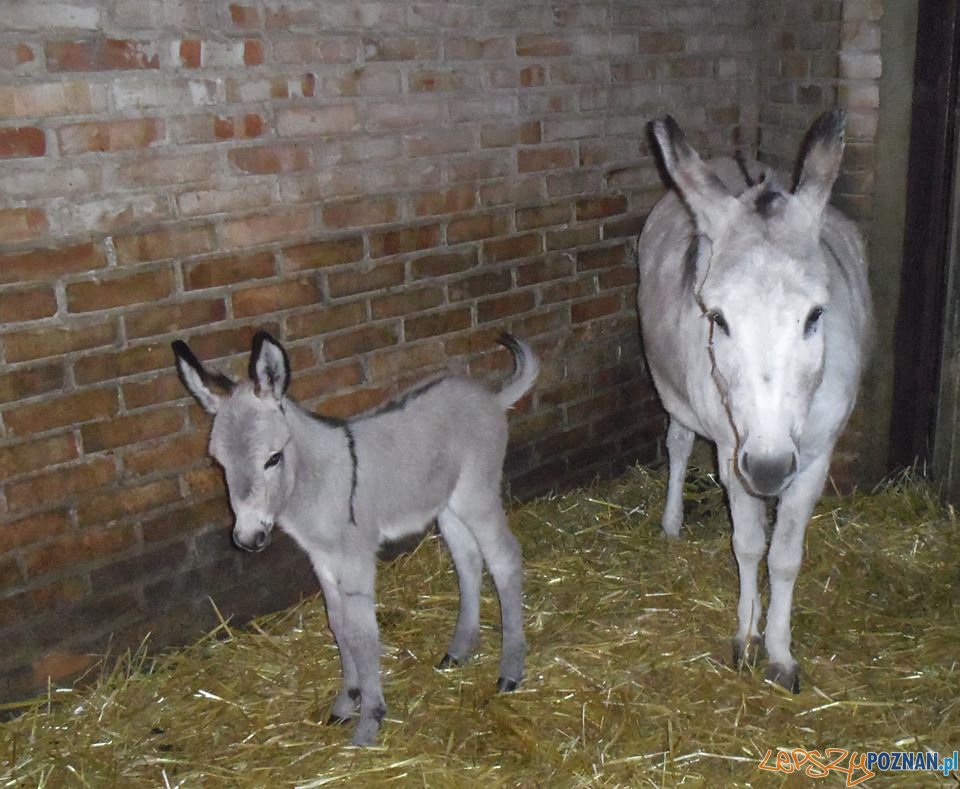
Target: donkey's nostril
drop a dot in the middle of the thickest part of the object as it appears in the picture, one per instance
(261, 539)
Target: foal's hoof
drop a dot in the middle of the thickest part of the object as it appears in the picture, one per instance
(746, 654)
(448, 661)
(784, 676)
(505, 685)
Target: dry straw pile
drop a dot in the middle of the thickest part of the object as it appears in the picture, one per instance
(629, 679)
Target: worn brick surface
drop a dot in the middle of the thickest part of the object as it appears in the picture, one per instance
(384, 186)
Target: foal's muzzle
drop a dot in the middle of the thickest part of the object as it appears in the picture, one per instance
(768, 474)
(255, 540)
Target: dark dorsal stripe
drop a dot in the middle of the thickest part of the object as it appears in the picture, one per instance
(836, 259)
(691, 257)
(352, 448)
(767, 202)
(744, 171)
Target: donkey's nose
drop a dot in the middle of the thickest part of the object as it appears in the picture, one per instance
(768, 475)
(254, 542)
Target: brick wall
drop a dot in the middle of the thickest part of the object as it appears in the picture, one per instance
(385, 186)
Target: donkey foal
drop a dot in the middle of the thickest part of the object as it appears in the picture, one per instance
(342, 487)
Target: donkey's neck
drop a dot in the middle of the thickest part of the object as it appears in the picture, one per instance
(324, 470)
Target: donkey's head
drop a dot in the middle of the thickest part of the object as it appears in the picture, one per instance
(250, 437)
(759, 273)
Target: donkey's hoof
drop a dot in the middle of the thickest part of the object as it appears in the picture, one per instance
(505, 685)
(448, 661)
(746, 654)
(785, 676)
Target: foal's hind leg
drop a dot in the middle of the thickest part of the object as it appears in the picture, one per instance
(483, 515)
(679, 444)
(468, 562)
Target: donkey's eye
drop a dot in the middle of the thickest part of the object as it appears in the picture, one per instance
(812, 320)
(273, 460)
(717, 319)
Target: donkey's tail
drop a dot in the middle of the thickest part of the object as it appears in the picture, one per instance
(527, 367)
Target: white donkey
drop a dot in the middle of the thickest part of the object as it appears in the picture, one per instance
(341, 488)
(755, 313)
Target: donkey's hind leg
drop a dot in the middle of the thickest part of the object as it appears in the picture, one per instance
(482, 513)
(679, 445)
(468, 562)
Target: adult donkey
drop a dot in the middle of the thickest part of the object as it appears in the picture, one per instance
(755, 313)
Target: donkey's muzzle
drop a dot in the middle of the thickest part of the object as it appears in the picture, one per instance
(254, 542)
(768, 475)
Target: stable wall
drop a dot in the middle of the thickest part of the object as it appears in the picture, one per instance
(385, 186)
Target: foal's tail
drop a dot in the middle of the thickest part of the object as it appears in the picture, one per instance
(527, 367)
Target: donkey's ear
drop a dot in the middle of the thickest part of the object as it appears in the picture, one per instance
(709, 200)
(209, 388)
(820, 159)
(269, 365)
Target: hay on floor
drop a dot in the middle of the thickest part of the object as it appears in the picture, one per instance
(628, 683)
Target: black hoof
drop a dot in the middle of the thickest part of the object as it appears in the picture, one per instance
(747, 655)
(505, 685)
(787, 678)
(448, 661)
(336, 720)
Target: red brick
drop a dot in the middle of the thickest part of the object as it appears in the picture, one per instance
(169, 455)
(27, 304)
(260, 229)
(72, 551)
(263, 299)
(118, 291)
(507, 135)
(360, 212)
(158, 389)
(50, 263)
(314, 383)
(130, 429)
(500, 249)
(618, 277)
(537, 159)
(538, 45)
(323, 253)
(352, 403)
(545, 269)
(401, 48)
(158, 170)
(33, 529)
(596, 308)
(436, 323)
(266, 159)
(51, 98)
(476, 227)
(22, 224)
(167, 318)
(118, 135)
(252, 52)
(483, 283)
(327, 319)
(601, 207)
(191, 51)
(446, 201)
(57, 340)
(22, 142)
(406, 302)
(602, 257)
(227, 342)
(500, 307)
(440, 265)
(51, 487)
(627, 226)
(408, 239)
(31, 455)
(406, 361)
(118, 364)
(110, 505)
(103, 54)
(348, 283)
(543, 216)
(657, 42)
(64, 410)
(359, 341)
(30, 382)
(228, 270)
(572, 237)
(245, 17)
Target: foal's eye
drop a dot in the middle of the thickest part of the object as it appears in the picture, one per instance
(275, 458)
(717, 319)
(812, 320)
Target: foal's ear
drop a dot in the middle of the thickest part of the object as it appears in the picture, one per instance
(819, 163)
(709, 200)
(209, 388)
(269, 365)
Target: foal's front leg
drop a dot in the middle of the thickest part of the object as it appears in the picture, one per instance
(783, 563)
(347, 702)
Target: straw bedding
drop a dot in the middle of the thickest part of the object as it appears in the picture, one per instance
(628, 683)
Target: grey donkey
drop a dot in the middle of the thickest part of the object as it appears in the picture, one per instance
(340, 488)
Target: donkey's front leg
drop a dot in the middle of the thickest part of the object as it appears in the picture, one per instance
(749, 542)
(783, 564)
(347, 702)
(356, 579)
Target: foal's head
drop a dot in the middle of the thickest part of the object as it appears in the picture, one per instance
(250, 437)
(760, 275)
